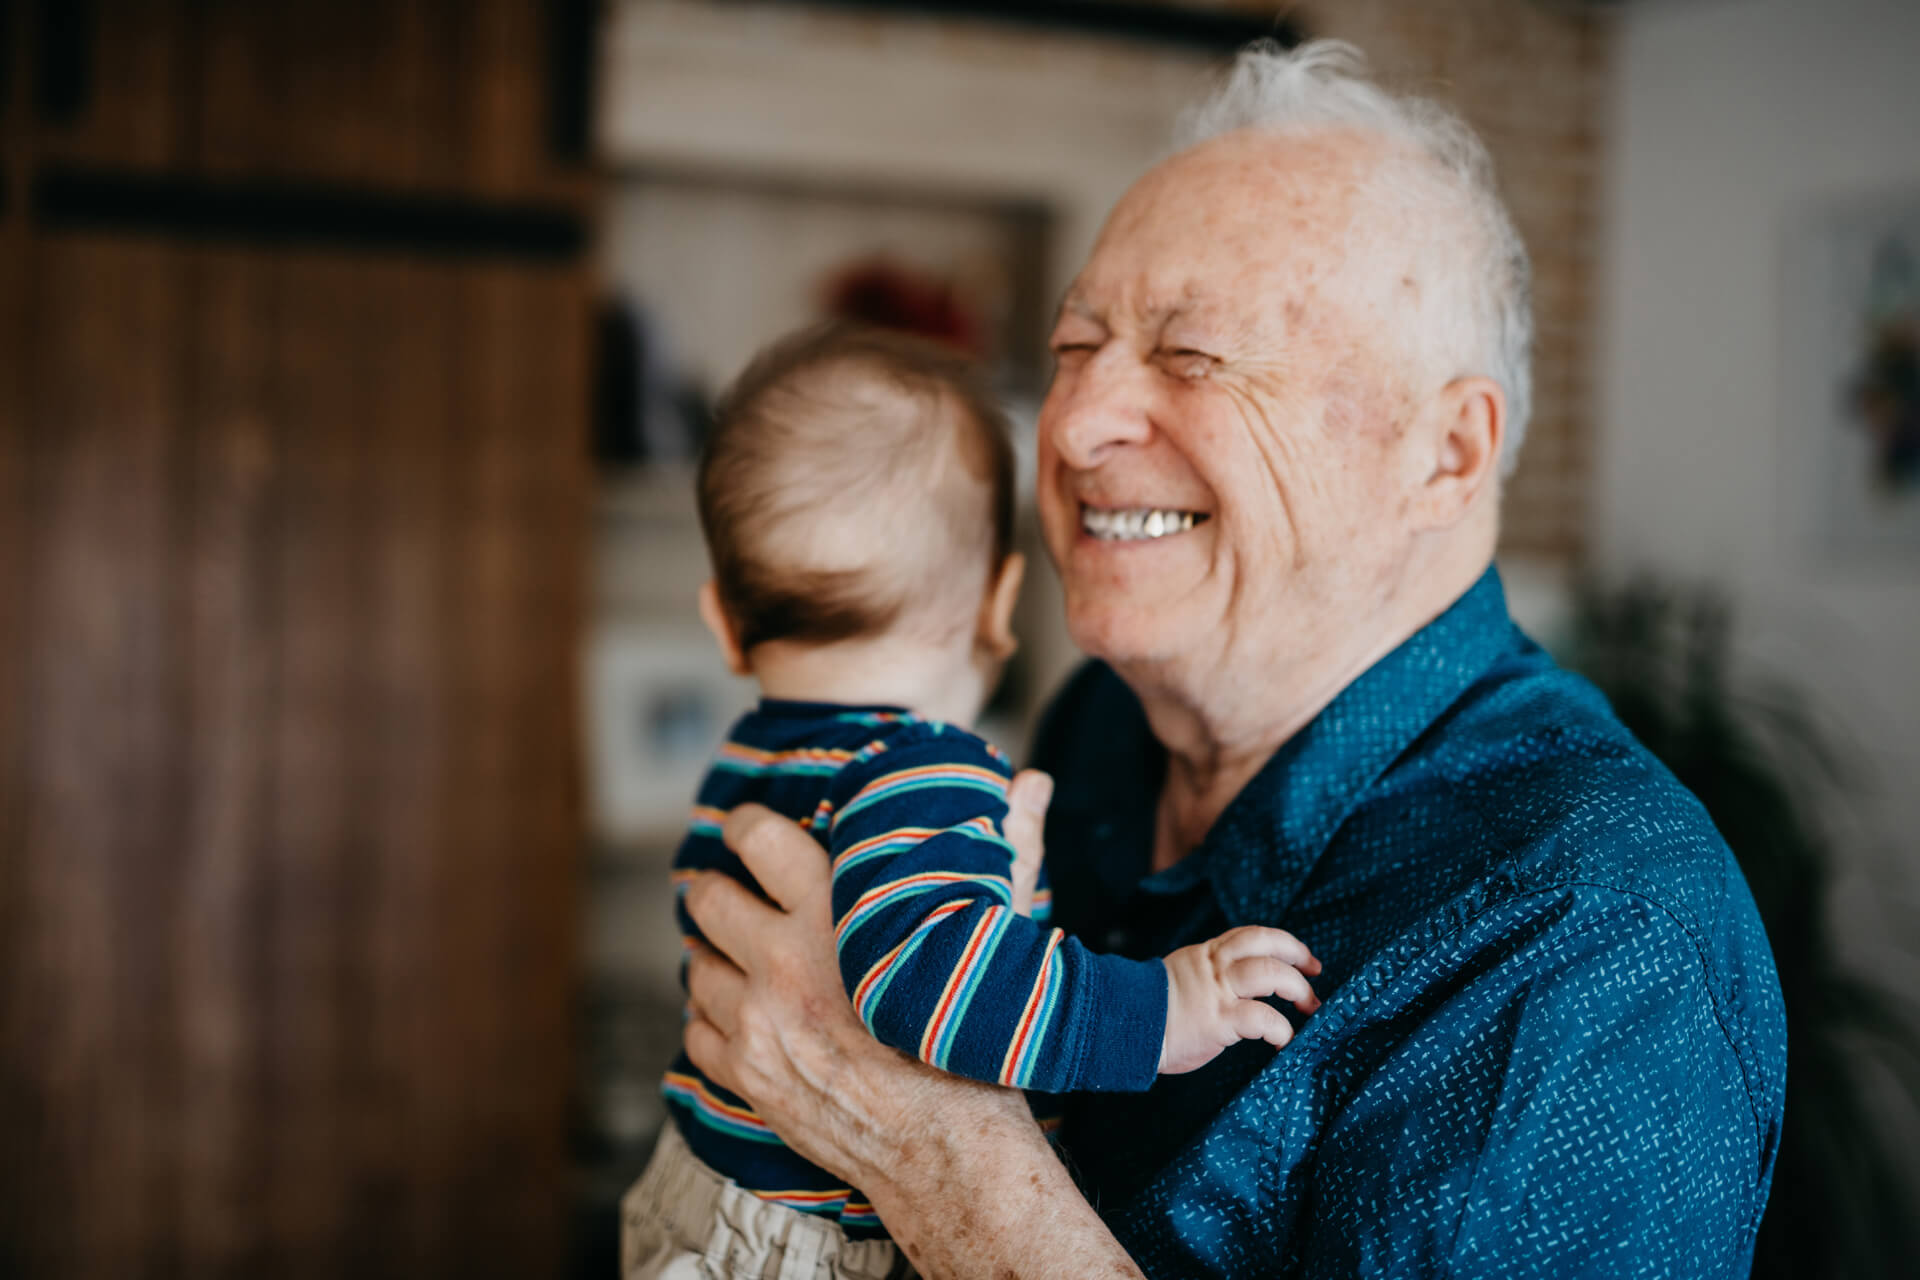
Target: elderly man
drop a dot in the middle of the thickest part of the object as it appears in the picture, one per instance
(1551, 1042)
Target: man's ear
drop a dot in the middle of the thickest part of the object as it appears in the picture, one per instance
(714, 614)
(995, 631)
(1464, 428)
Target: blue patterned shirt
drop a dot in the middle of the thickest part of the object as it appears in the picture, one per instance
(1552, 1041)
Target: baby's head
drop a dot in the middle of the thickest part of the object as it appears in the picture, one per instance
(857, 490)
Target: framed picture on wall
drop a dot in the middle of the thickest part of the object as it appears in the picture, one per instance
(659, 700)
(1853, 370)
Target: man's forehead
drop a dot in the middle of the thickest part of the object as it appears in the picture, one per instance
(1190, 238)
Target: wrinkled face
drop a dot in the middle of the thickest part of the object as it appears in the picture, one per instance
(1221, 481)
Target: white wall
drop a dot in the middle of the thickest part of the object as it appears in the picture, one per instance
(1735, 124)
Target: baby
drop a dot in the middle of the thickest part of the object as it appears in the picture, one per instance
(857, 499)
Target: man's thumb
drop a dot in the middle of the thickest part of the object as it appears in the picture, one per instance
(1025, 825)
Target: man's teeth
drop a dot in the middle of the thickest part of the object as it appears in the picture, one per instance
(1136, 524)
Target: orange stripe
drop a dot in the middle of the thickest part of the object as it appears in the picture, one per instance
(757, 755)
(885, 962)
(1030, 1015)
(698, 1087)
(954, 982)
(803, 1197)
(881, 892)
(898, 833)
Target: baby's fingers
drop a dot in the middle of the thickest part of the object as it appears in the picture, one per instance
(1258, 940)
(1255, 1021)
(1255, 976)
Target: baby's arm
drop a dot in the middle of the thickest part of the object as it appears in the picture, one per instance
(939, 965)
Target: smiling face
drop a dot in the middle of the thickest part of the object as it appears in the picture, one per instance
(1225, 479)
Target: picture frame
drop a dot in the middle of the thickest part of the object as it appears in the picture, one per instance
(1852, 349)
(659, 701)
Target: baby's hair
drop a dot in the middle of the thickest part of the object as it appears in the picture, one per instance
(855, 479)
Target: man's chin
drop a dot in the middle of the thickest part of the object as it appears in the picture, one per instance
(1120, 636)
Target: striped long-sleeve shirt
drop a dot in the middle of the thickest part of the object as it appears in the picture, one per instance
(934, 958)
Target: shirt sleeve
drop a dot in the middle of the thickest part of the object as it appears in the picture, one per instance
(1567, 1103)
(934, 958)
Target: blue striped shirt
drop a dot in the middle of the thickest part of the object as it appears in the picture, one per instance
(933, 956)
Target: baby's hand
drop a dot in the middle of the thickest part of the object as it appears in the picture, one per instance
(1214, 990)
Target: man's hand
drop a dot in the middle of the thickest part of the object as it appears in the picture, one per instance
(770, 1019)
(1215, 990)
(958, 1170)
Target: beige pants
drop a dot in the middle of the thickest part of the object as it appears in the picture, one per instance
(683, 1221)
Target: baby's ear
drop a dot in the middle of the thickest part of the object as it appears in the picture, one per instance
(995, 631)
(714, 614)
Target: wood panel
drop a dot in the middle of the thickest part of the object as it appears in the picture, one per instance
(232, 475)
(406, 327)
(317, 838)
(17, 1087)
(522, 341)
(100, 811)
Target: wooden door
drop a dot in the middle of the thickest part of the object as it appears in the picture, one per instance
(291, 522)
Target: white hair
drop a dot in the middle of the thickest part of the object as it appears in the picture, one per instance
(1324, 84)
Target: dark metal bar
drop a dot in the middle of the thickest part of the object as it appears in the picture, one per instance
(1204, 30)
(277, 214)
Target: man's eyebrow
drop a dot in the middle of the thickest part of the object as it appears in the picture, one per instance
(1072, 302)
(1161, 314)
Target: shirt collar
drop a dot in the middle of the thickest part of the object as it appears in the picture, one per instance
(1262, 848)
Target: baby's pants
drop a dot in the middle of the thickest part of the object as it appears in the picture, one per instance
(683, 1221)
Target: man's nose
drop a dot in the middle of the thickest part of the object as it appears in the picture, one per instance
(1105, 406)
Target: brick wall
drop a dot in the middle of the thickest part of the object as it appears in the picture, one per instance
(1532, 78)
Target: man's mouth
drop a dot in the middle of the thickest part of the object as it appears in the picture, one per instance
(1137, 524)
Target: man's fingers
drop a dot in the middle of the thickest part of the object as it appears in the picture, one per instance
(1257, 976)
(731, 917)
(1025, 825)
(708, 1050)
(715, 988)
(1255, 1021)
(782, 858)
(1258, 940)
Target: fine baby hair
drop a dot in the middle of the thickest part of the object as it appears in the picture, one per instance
(855, 480)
